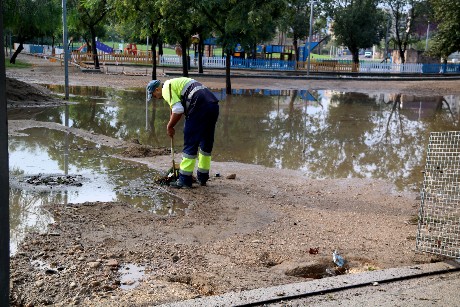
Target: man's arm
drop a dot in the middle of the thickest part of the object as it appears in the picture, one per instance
(173, 119)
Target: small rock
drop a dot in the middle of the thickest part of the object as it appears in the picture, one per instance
(231, 176)
(94, 264)
(112, 262)
(280, 294)
(72, 285)
(39, 283)
(128, 282)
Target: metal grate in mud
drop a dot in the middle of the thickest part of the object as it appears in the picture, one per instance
(439, 216)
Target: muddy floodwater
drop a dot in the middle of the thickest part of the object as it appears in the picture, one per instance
(325, 134)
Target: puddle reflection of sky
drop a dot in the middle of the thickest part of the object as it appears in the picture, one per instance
(324, 134)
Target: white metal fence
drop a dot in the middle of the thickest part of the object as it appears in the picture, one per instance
(217, 62)
(439, 216)
(274, 64)
(372, 67)
(364, 67)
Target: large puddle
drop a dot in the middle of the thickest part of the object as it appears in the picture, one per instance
(325, 134)
(50, 167)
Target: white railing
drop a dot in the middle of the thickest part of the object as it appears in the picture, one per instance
(369, 67)
(366, 67)
(207, 61)
(219, 62)
(170, 60)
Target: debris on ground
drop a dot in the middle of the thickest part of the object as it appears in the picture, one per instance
(141, 151)
(52, 180)
(168, 177)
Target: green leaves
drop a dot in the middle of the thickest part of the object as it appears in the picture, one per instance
(357, 25)
(447, 38)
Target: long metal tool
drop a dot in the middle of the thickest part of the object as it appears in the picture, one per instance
(172, 154)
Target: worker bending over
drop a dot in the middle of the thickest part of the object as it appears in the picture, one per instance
(200, 107)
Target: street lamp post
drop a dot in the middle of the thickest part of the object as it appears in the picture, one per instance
(309, 36)
(66, 49)
(427, 35)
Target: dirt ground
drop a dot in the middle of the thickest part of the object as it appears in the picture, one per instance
(265, 227)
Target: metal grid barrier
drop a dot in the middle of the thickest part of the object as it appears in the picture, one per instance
(439, 216)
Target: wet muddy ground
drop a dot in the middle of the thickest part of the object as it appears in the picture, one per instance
(256, 230)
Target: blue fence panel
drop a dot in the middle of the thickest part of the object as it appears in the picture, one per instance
(36, 49)
(453, 68)
(431, 68)
(262, 64)
(440, 68)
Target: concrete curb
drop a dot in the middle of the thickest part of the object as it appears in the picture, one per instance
(320, 286)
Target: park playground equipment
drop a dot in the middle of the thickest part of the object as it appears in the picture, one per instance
(131, 49)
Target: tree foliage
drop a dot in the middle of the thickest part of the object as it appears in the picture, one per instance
(178, 25)
(295, 21)
(142, 19)
(358, 24)
(28, 20)
(447, 38)
(240, 22)
(88, 17)
(404, 13)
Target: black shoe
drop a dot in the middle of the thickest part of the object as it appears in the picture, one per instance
(179, 185)
(201, 183)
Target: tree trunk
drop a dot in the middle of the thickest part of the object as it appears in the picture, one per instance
(16, 53)
(228, 83)
(94, 49)
(183, 45)
(160, 46)
(200, 54)
(296, 52)
(355, 56)
(53, 49)
(154, 56)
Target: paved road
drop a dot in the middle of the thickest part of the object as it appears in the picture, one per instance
(435, 290)
(434, 284)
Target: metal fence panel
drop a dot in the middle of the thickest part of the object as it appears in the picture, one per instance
(439, 215)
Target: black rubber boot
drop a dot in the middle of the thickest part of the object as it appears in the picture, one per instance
(179, 185)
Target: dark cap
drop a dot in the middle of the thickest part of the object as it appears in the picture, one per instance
(151, 87)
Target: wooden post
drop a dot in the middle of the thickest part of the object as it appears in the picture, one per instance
(4, 180)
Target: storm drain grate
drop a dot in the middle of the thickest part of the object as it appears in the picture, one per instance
(439, 216)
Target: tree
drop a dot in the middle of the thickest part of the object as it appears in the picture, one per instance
(359, 24)
(31, 19)
(145, 18)
(403, 12)
(447, 38)
(295, 20)
(89, 15)
(240, 22)
(178, 26)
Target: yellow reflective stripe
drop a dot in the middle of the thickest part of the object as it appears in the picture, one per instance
(187, 165)
(204, 161)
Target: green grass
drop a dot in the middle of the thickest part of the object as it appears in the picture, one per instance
(18, 64)
(320, 57)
